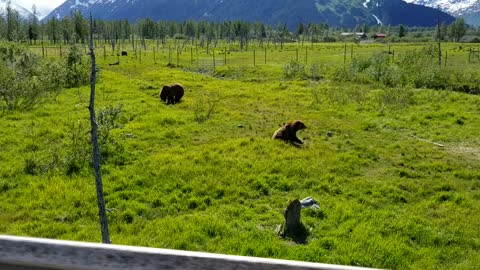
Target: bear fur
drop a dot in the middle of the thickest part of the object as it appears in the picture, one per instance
(288, 133)
(172, 94)
(124, 53)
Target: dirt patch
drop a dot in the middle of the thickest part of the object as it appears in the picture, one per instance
(471, 153)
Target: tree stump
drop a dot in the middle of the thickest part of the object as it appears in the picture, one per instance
(293, 227)
(292, 217)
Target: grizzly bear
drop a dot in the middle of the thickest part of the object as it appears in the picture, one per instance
(172, 94)
(288, 133)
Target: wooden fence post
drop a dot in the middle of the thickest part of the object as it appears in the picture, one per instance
(191, 56)
(265, 56)
(306, 55)
(169, 55)
(95, 147)
(213, 53)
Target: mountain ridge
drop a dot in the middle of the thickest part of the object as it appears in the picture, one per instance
(338, 13)
(468, 9)
(23, 12)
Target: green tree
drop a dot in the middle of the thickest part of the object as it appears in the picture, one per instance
(67, 30)
(3, 26)
(401, 31)
(13, 23)
(282, 33)
(80, 27)
(300, 31)
(457, 29)
(33, 27)
(53, 30)
(441, 32)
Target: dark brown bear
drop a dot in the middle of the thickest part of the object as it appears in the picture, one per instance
(172, 94)
(288, 133)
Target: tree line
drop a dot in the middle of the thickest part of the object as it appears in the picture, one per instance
(75, 29)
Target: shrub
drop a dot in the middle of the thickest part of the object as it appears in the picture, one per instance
(78, 150)
(343, 74)
(417, 68)
(204, 108)
(77, 68)
(294, 69)
(107, 120)
(315, 72)
(25, 79)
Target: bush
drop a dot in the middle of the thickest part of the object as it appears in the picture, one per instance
(78, 149)
(77, 69)
(315, 72)
(343, 74)
(107, 120)
(204, 108)
(417, 68)
(25, 79)
(294, 69)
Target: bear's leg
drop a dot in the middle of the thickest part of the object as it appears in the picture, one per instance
(297, 140)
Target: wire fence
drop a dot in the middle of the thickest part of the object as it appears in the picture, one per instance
(451, 54)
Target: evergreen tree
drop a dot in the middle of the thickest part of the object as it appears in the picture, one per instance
(80, 27)
(53, 30)
(401, 31)
(13, 23)
(33, 27)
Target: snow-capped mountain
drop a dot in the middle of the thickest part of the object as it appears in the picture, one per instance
(342, 13)
(24, 13)
(468, 9)
(455, 7)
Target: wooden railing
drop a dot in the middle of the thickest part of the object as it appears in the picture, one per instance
(20, 253)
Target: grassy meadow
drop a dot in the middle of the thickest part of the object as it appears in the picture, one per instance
(398, 182)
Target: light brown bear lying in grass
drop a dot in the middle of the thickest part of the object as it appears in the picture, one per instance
(288, 133)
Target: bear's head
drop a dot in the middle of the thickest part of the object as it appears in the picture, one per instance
(298, 125)
(165, 92)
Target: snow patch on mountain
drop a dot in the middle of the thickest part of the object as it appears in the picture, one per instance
(23, 12)
(88, 3)
(456, 7)
(378, 20)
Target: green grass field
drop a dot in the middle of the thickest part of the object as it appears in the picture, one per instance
(389, 195)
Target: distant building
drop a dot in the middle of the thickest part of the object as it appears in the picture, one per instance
(358, 35)
(379, 36)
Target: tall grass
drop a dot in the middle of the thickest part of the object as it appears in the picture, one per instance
(388, 196)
